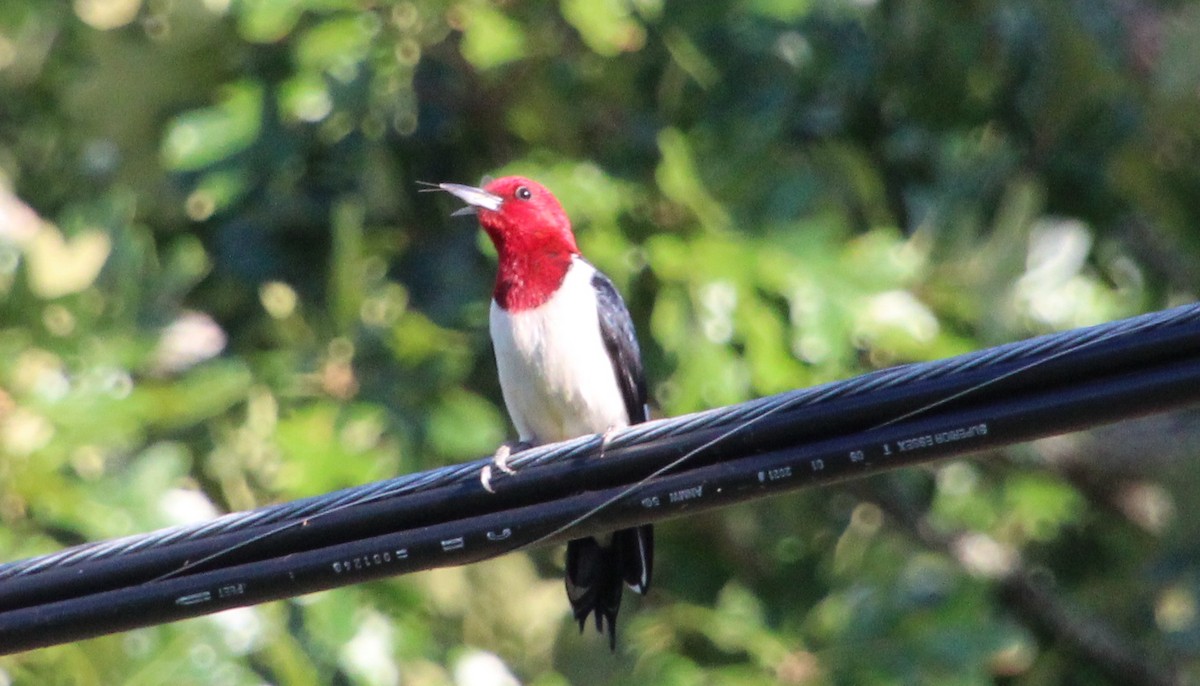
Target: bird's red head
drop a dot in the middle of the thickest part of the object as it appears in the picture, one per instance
(529, 218)
(532, 235)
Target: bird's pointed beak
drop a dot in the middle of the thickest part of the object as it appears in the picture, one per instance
(474, 197)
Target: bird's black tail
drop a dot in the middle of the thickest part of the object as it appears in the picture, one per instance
(595, 573)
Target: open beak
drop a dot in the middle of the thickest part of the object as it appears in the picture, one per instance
(474, 197)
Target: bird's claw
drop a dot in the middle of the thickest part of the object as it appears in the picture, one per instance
(606, 437)
(499, 461)
(485, 478)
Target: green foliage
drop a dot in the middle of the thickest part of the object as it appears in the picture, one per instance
(220, 287)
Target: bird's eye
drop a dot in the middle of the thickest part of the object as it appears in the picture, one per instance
(523, 193)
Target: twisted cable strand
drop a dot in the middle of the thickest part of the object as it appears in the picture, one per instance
(1029, 350)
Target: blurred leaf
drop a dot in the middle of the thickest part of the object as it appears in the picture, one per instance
(331, 447)
(337, 45)
(347, 287)
(465, 426)
(607, 26)
(783, 10)
(266, 21)
(680, 181)
(199, 138)
(203, 393)
(492, 39)
(1039, 506)
(59, 267)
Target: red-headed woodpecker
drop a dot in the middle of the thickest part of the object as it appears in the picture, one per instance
(569, 365)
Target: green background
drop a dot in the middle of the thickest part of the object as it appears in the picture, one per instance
(221, 288)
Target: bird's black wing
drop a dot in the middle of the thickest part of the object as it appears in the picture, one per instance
(616, 329)
(595, 572)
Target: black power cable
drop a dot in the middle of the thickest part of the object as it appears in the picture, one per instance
(857, 427)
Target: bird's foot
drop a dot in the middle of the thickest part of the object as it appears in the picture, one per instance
(605, 438)
(500, 461)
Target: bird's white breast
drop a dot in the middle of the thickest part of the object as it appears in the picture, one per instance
(555, 373)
